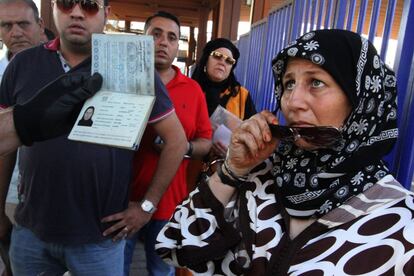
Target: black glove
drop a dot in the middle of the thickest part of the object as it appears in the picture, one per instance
(52, 111)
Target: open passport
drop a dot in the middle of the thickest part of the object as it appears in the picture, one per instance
(117, 115)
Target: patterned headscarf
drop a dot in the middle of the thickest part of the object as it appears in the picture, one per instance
(311, 183)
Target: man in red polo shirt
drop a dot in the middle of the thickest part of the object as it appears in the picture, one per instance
(191, 108)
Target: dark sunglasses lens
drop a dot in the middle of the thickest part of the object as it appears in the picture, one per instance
(65, 5)
(229, 61)
(89, 7)
(320, 136)
(217, 55)
(324, 137)
(281, 132)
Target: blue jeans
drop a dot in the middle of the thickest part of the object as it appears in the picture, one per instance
(31, 256)
(155, 265)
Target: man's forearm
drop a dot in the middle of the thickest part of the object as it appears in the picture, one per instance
(175, 145)
(170, 159)
(9, 141)
(201, 147)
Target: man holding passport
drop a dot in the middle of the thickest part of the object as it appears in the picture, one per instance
(67, 187)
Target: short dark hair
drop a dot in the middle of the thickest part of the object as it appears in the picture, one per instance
(161, 14)
(29, 3)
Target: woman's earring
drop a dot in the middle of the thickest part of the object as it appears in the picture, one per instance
(205, 69)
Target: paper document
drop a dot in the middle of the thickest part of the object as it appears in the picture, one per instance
(117, 115)
(223, 123)
(222, 134)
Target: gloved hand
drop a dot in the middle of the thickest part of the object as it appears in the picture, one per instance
(52, 111)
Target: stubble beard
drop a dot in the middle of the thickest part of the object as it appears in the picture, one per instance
(77, 45)
(162, 65)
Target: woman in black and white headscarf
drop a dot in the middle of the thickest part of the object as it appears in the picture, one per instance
(323, 202)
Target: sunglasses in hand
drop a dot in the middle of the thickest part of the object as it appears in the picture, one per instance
(90, 7)
(320, 136)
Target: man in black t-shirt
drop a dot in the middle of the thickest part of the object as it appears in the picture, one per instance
(67, 187)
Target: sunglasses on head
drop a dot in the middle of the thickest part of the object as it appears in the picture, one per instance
(322, 136)
(90, 7)
(219, 56)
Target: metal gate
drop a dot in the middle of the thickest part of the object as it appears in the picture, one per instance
(374, 19)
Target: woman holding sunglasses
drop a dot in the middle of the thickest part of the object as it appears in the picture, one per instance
(288, 204)
(215, 74)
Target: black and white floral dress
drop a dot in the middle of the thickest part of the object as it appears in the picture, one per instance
(371, 234)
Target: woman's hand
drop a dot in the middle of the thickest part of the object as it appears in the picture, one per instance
(219, 149)
(251, 143)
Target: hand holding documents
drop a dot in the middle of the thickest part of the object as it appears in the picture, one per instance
(117, 115)
(223, 123)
